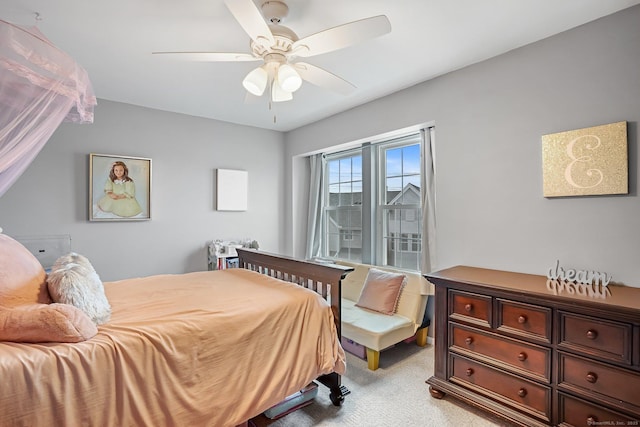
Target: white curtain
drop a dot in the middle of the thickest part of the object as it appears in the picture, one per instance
(316, 199)
(428, 260)
(40, 87)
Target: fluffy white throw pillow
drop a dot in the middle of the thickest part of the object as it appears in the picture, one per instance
(72, 258)
(73, 280)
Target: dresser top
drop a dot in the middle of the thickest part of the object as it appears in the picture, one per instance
(541, 286)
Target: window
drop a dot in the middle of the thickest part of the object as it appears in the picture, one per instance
(399, 206)
(372, 208)
(343, 206)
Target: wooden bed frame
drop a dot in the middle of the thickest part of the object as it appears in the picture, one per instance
(324, 279)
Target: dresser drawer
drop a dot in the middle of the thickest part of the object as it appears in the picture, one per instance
(581, 413)
(599, 380)
(524, 359)
(470, 307)
(595, 336)
(526, 396)
(526, 320)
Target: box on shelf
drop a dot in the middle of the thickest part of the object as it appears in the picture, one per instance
(354, 348)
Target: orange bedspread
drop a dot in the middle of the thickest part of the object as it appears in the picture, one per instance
(198, 349)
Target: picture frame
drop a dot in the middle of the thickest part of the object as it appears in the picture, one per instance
(231, 190)
(586, 162)
(119, 188)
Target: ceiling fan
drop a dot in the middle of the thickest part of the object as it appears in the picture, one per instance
(279, 48)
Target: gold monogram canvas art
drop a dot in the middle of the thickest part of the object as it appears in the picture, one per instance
(583, 162)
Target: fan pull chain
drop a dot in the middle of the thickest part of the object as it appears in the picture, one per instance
(270, 109)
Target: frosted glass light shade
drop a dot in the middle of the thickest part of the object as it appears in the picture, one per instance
(256, 81)
(278, 94)
(289, 78)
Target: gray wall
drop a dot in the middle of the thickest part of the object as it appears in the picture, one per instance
(51, 197)
(489, 120)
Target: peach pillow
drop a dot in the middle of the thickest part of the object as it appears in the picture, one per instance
(381, 291)
(22, 277)
(45, 323)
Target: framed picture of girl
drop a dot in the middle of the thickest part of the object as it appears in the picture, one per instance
(119, 188)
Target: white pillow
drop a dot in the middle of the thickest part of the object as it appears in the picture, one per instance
(74, 258)
(79, 285)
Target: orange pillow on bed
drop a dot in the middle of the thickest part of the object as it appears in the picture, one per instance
(45, 323)
(26, 314)
(381, 291)
(22, 277)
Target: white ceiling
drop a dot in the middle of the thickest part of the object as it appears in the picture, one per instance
(113, 41)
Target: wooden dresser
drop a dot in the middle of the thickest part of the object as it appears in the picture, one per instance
(536, 352)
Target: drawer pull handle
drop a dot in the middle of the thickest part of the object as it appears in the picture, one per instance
(522, 392)
(468, 340)
(522, 319)
(469, 372)
(468, 307)
(591, 334)
(522, 356)
(592, 378)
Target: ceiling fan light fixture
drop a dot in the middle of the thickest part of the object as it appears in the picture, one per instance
(256, 81)
(278, 94)
(288, 78)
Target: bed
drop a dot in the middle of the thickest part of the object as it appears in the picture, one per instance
(211, 348)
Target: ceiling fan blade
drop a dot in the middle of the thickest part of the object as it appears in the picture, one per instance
(251, 20)
(323, 78)
(341, 36)
(209, 56)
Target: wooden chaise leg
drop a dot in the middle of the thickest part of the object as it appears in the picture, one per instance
(421, 336)
(373, 359)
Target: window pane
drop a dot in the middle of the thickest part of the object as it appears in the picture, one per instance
(402, 171)
(411, 160)
(345, 181)
(345, 169)
(344, 234)
(334, 171)
(333, 233)
(393, 164)
(393, 191)
(404, 242)
(356, 168)
(402, 238)
(393, 222)
(334, 194)
(357, 192)
(413, 180)
(345, 194)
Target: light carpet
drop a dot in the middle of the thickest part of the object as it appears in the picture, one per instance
(394, 395)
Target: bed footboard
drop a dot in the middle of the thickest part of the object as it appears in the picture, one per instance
(324, 279)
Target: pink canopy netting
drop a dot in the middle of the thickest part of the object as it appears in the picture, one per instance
(40, 87)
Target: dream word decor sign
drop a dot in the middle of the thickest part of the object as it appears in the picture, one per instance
(584, 162)
(588, 283)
